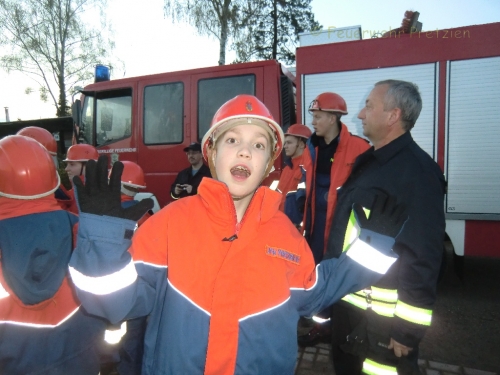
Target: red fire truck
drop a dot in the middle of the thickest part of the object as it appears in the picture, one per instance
(458, 73)
(151, 119)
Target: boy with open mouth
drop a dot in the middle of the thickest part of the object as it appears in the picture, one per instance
(226, 298)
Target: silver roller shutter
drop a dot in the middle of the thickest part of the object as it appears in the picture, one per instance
(473, 138)
(354, 87)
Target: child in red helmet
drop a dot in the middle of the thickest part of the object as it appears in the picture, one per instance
(76, 160)
(43, 328)
(291, 176)
(42, 136)
(224, 275)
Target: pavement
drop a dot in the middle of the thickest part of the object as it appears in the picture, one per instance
(316, 360)
(464, 337)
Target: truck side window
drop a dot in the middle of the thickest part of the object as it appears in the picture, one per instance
(164, 113)
(214, 92)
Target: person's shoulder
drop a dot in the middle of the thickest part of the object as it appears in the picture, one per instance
(181, 205)
(180, 210)
(205, 170)
(284, 227)
(422, 157)
(185, 170)
(358, 140)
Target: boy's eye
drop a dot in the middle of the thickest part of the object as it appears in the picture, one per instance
(230, 140)
(260, 146)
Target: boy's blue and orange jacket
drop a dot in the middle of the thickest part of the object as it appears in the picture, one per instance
(43, 328)
(223, 298)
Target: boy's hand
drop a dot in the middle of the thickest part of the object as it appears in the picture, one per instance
(100, 197)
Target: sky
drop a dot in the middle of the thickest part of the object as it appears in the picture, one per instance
(148, 43)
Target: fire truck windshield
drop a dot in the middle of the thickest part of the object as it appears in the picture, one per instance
(106, 117)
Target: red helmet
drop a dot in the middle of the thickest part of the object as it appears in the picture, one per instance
(243, 109)
(41, 135)
(133, 175)
(81, 152)
(26, 169)
(329, 102)
(299, 130)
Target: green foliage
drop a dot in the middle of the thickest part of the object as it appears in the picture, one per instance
(48, 40)
(273, 32)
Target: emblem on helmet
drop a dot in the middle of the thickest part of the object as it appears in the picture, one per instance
(248, 106)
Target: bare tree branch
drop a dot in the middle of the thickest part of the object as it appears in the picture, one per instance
(47, 39)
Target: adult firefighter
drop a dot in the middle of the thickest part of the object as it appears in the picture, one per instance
(43, 328)
(76, 160)
(295, 142)
(328, 160)
(226, 300)
(385, 323)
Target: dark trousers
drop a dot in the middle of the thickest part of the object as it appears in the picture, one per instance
(344, 321)
(348, 356)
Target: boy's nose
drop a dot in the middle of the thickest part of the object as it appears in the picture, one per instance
(244, 151)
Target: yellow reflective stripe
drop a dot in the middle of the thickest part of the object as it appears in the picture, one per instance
(352, 230)
(385, 309)
(381, 308)
(413, 314)
(373, 368)
(356, 301)
(387, 295)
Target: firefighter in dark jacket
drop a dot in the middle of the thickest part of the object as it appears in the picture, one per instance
(187, 181)
(378, 330)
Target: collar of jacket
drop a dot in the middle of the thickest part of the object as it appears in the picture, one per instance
(313, 142)
(291, 162)
(10, 208)
(314, 139)
(219, 203)
(386, 153)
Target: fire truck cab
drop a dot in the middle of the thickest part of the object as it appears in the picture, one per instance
(151, 119)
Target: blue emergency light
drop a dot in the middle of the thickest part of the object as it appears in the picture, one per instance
(101, 73)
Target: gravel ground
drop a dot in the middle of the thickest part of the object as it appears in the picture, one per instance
(465, 328)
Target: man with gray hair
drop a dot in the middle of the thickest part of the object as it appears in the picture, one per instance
(378, 330)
